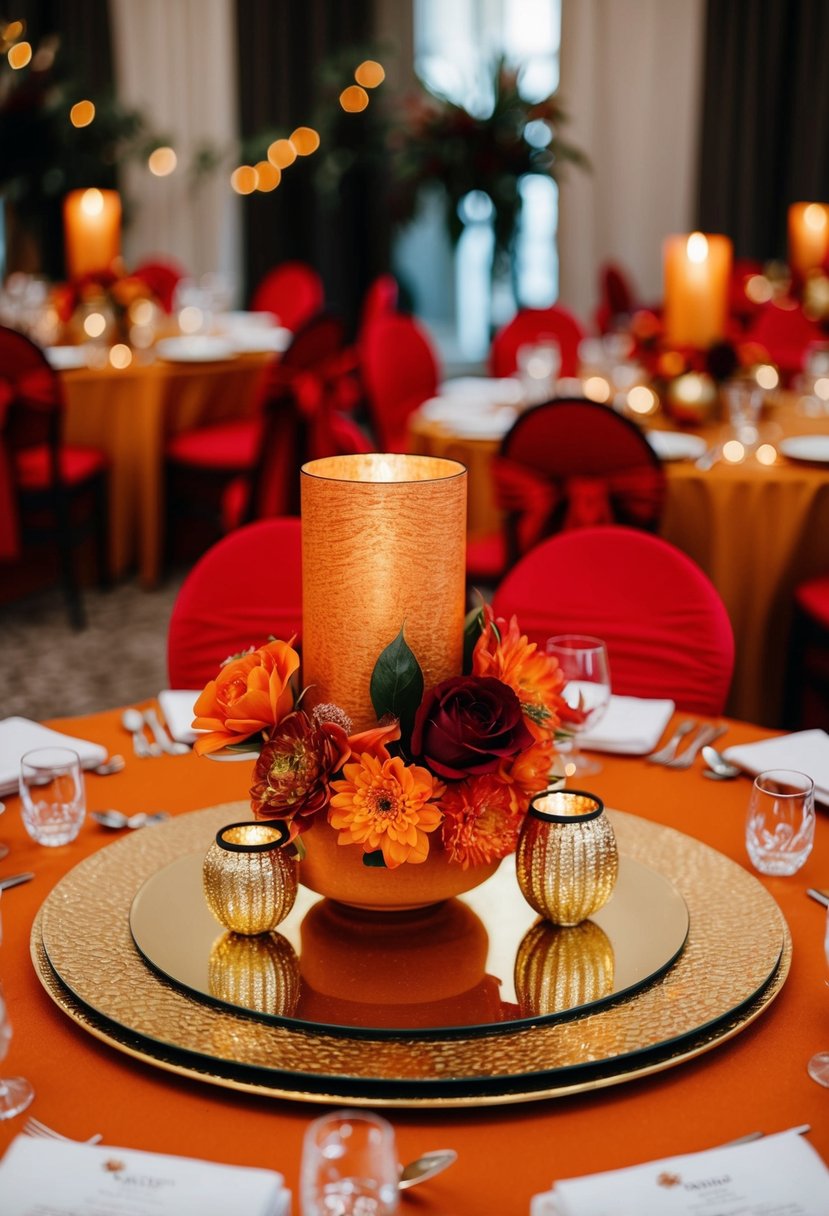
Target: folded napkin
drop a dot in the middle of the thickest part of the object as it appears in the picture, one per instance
(19, 735)
(177, 708)
(806, 751)
(67, 1179)
(629, 725)
(777, 1174)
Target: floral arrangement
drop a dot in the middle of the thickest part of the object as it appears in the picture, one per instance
(458, 762)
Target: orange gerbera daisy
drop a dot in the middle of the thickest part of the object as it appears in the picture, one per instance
(527, 774)
(386, 805)
(536, 678)
(480, 823)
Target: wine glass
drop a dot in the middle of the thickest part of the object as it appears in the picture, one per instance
(349, 1166)
(15, 1092)
(584, 663)
(818, 1066)
(4, 848)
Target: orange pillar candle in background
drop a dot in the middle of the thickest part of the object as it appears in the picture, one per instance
(808, 236)
(92, 230)
(697, 269)
(383, 549)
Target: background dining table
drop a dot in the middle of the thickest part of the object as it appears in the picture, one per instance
(755, 1080)
(756, 530)
(129, 413)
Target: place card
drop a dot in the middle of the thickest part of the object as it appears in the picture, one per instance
(61, 1178)
(779, 1175)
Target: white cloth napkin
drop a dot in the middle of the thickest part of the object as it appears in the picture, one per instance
(19, 735)
(806, 751)
(177, 708)
(629, 725)
(778, 1174)
(67, 1179)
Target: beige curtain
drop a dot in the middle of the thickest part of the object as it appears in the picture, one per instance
(630, 78)
(175, 60)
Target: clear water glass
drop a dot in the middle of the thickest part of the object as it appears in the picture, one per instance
(743, 401)
(586, 669)
(15, 1092)
(818, 1066)
(539, 363)
(53, 798)
(349, 1166)
(780, 825)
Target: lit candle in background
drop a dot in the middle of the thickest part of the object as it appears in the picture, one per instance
(383, 549)
(92, 230)
(808, 236)
(697, 270)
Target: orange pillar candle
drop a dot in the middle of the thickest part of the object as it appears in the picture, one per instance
(808, 237)
(383, 549)
(92, 230)
(697, 269)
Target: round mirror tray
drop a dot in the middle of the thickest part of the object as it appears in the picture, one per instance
(475, 1001)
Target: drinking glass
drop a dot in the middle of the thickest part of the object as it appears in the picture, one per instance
(15, 1092)
(4, 848)
(539, 363)
(743, 400)
(584, 663)
(53, 802)
(349, 1166)
(780, 825)
(818, 1066)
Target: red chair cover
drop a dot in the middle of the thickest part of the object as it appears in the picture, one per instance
(786, 333)
(617, 299)
(293, 291)
(245, 588)
(531, 325)
(380, 299)
(400, 372)
(666, 628)
(812, 598)
(162, 276)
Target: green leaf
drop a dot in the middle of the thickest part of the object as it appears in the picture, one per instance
(473, 627)
(375, 859)
(397, 685)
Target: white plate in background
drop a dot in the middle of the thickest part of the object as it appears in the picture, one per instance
(65, 358)
(195, 348)
(676, 445)
(813, 448)
(496, 390)
(260, 340)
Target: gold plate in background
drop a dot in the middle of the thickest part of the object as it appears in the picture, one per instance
(734, 964)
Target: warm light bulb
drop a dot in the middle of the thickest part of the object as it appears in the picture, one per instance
(120, 356)
(767, 376)
(758, 289)
(822, 388)
(94, 325)
(268, 176)
(281, 153)
(814, 217)
(142, 312)
(766, 454)
(642, 400)
(370, 73)
(162, 161)
(82, 113)
(244, 180)
(305, 141)
(20, 54)
(353, 99)
(596, 388)
(190, 319)
(92, 202)
(733, 451)
(697, 248)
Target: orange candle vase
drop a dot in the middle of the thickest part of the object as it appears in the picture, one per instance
(92, 231)
(383, 549)
(808, 237)
(697, 269)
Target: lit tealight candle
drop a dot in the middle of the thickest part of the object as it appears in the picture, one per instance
(808, 236)
(92, 230)
(697, 270)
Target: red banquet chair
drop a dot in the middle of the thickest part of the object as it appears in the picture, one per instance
(380, 300)
(568, 463)
(806, 690)
(400, 371)
(292, 291)
(785, 331)
(617, 298)
(244, 589)
(532, 325)
(665, 626)
(50, 492)
(162, 276)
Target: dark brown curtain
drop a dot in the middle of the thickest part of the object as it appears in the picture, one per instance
(765, 122)
(284, 49)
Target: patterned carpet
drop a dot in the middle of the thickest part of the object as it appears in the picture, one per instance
(49, 670)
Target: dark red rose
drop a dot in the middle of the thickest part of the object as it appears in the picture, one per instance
(467, 725)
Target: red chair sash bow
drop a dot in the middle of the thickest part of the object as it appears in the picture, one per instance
(632, 496)
(34, 387)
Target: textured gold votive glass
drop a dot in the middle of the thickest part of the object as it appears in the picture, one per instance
(250, 883)
(567, 861)
(258, 972)
(383, 549)
(560, 967)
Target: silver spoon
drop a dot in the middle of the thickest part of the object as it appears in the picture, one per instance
(426, 1167)
(164, 741)
(114, 764)
(117, 819)
(719, 768)
(132, 720)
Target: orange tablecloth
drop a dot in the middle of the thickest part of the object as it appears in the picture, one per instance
(757, 1080)
(129, 414)
(756, 531)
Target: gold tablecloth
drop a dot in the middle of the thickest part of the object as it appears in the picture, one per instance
(755, 530)
(129, 414)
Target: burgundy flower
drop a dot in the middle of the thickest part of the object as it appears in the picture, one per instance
(292, 777)
(468, 725)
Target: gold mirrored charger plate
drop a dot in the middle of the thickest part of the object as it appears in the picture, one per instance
(734, 963)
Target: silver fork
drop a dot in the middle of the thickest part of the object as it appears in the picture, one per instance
(668, 752)
(33, 1127)
(705, 735)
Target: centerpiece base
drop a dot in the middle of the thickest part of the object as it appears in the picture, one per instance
(337, 872)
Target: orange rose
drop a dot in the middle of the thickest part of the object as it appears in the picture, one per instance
(249, 695)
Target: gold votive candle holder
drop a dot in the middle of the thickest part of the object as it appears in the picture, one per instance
(250, 882)
(383, 549)
(259, 972)
(567, 861)
(560, 967)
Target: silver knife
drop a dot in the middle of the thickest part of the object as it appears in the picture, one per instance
(14, 880)
(822, 897)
